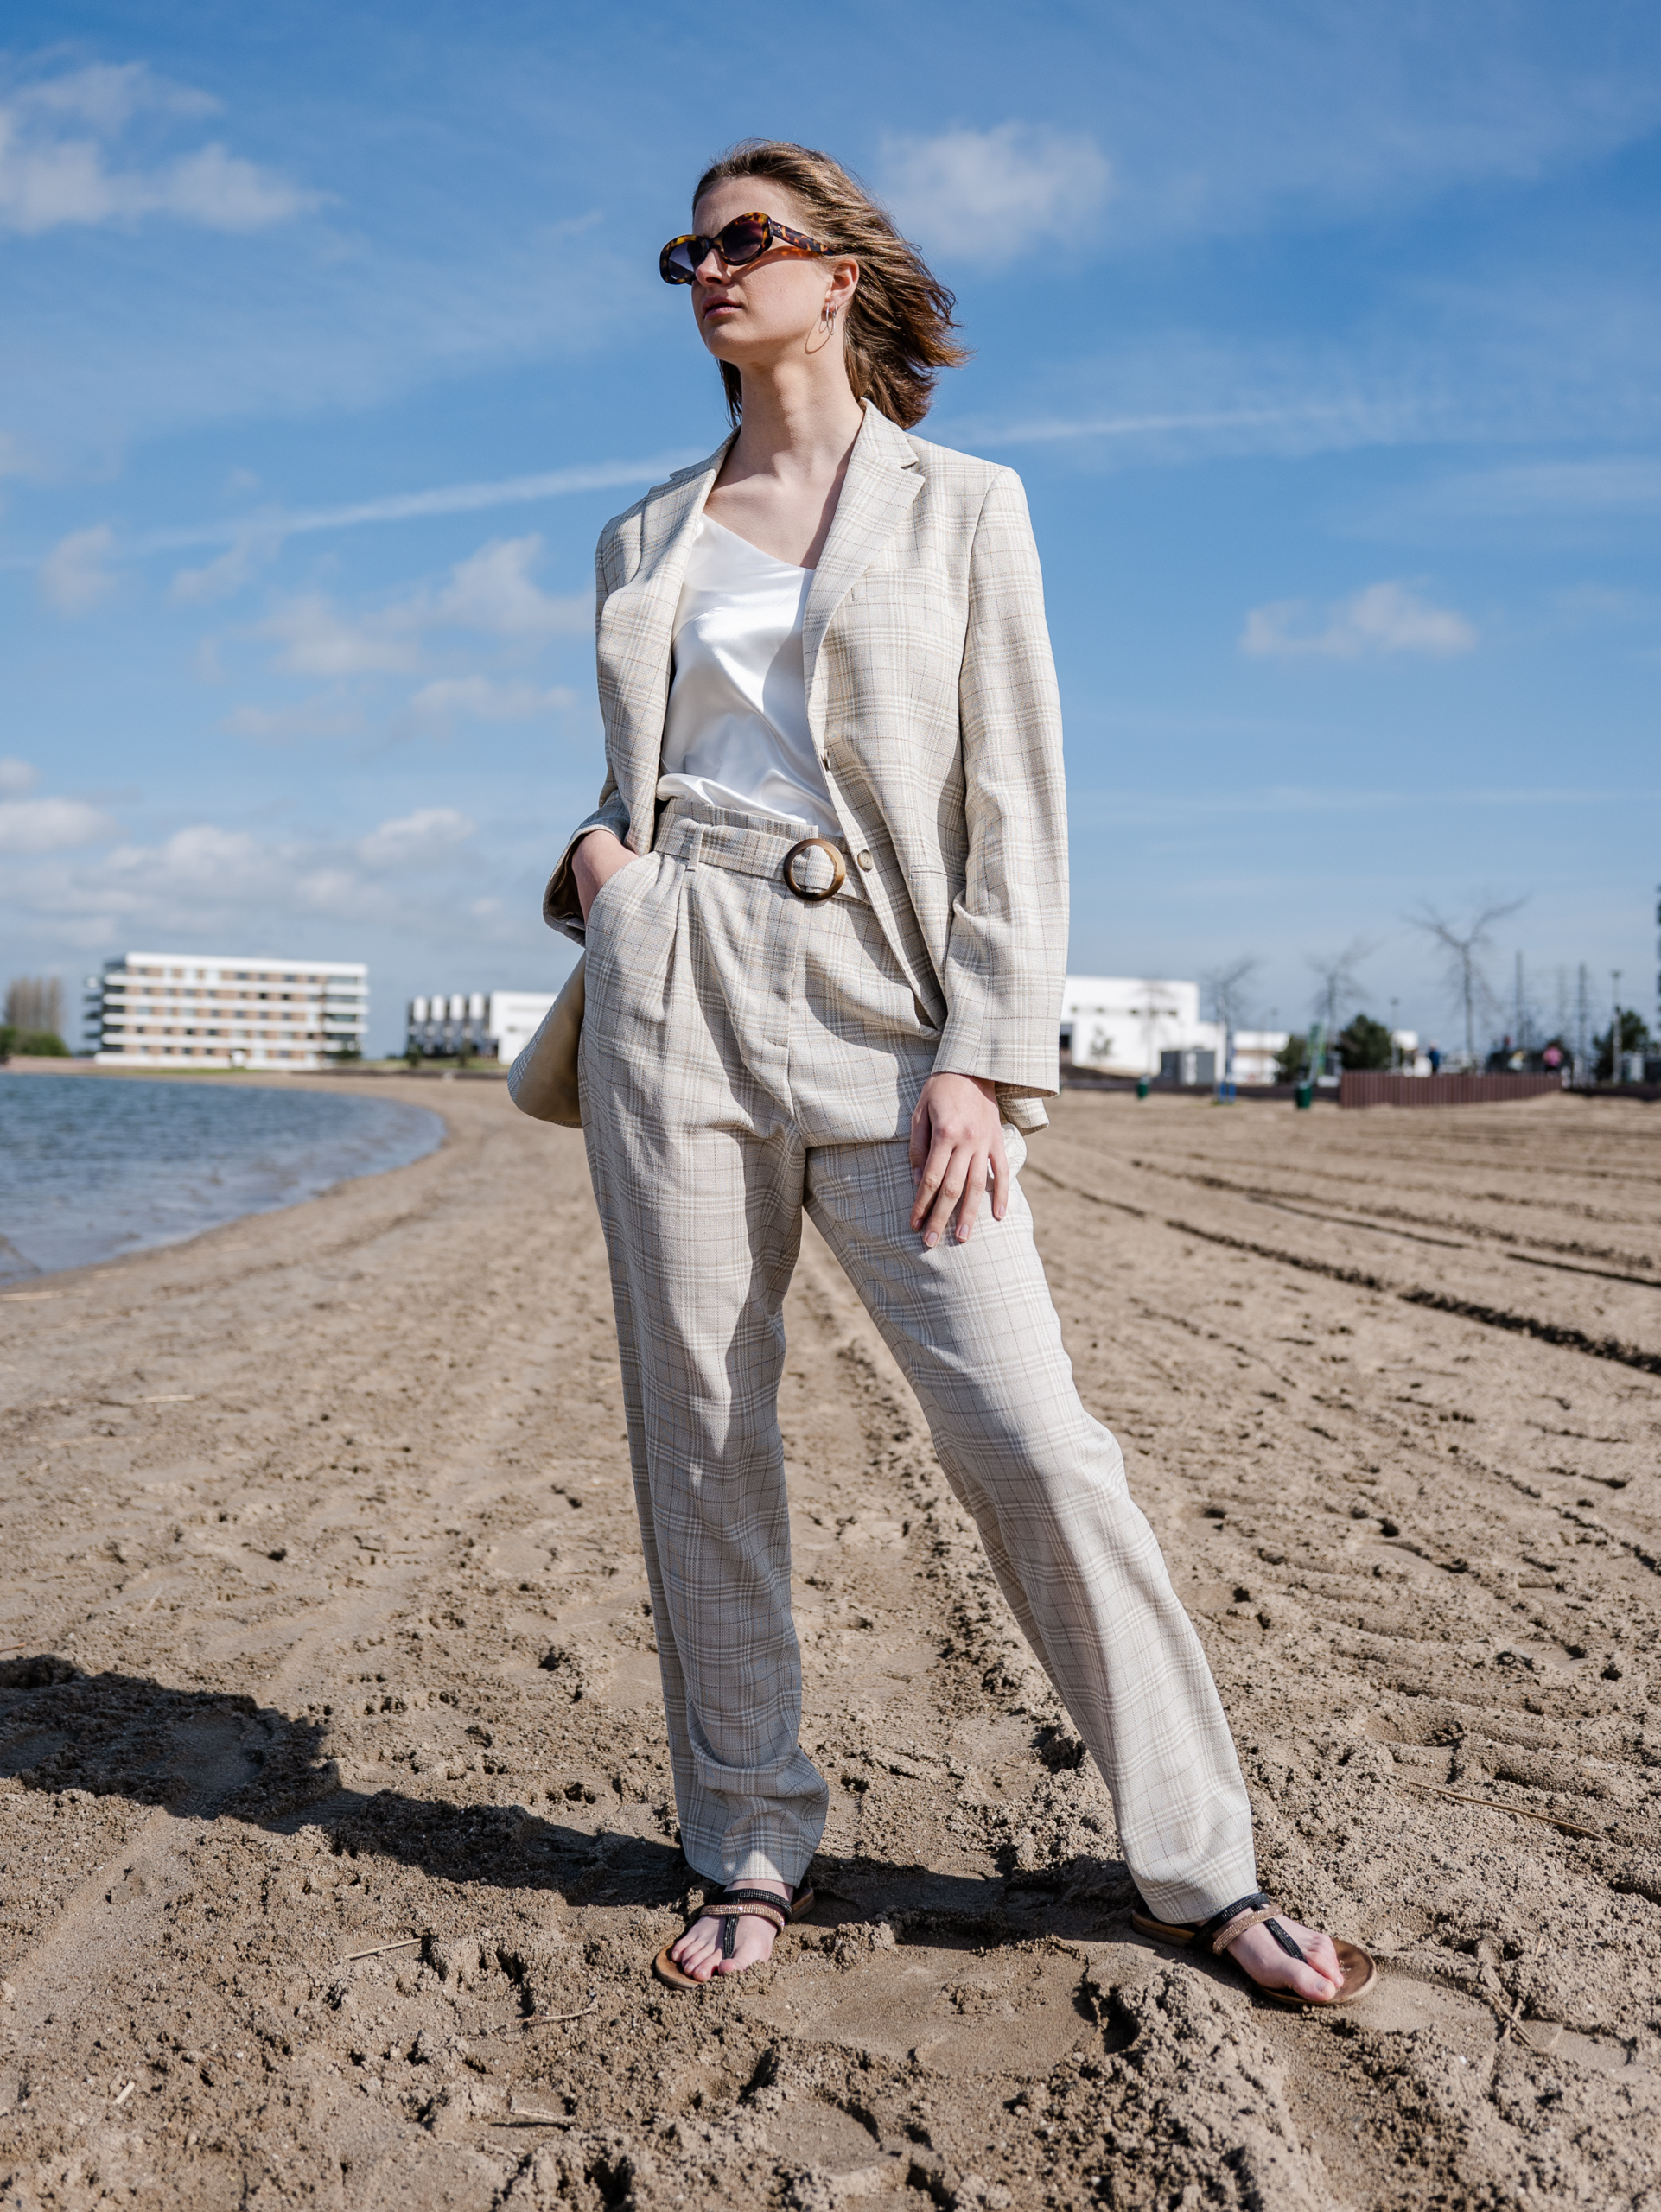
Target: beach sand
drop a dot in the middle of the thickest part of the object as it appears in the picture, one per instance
(336, 1831)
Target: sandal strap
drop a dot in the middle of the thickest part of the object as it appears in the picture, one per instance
(750, 1909)
(1205, 1930)
(1238, 1927)
(729, 1906)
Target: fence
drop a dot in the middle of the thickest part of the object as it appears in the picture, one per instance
(1363, 1087)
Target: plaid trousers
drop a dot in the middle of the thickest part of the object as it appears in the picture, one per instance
(745, 1054)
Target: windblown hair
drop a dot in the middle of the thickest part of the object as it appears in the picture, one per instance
(901, 322)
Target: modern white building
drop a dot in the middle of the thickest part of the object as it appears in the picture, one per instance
(1256, 1051)
(232, 1010)
(1139, 1026)
(495, 1025)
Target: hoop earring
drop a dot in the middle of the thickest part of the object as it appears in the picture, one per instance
(828, 325)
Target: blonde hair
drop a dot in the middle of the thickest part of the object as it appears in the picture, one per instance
(901, 319)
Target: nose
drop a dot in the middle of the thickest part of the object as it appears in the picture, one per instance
(712, 269)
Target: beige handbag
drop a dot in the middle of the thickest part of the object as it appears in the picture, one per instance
(542, 1082)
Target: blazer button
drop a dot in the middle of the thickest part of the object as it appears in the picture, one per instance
(865, 859)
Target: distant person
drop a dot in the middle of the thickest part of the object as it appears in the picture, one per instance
(824, 900)
(1433, 1055)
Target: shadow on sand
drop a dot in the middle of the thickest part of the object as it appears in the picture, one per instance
(210, 1754)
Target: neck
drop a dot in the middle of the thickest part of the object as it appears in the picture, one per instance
(800, 418)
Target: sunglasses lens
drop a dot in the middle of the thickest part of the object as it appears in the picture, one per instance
(744, 240)
(676, 263)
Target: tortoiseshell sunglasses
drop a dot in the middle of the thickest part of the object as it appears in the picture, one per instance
(746, 239)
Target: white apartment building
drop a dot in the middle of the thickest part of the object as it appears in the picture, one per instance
(496, 1024)
(1127, 1025)
(186, 1009)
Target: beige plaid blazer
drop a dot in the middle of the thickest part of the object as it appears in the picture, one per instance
(932, 696)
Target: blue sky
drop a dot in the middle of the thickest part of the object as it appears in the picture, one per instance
(1327, 340)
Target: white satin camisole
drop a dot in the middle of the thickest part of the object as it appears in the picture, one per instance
(736, 734)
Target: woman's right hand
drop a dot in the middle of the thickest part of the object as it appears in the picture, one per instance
(595, 860)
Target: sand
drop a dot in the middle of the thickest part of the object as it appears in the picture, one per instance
(335, 1836)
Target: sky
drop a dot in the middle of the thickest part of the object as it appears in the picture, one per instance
(1326, 341)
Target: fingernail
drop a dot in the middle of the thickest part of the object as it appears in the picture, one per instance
(932, 1238)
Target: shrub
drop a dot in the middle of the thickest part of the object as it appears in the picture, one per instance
(1365, 1044)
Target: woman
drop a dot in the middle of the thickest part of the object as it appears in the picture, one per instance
(824, 901)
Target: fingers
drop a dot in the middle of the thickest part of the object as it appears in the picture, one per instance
(930, 1155)
(1000, 1179)
(945, 1177)
(974, 1189)
(954, 1179)
(917, 1150)
(956, 1153)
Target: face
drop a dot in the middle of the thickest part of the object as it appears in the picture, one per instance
(771, 308)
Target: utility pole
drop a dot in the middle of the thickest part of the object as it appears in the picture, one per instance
(1582, 1024)
(1520, 1042)
(1395, 1050)
(1614, 1028)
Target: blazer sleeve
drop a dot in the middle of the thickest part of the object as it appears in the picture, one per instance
(1006, 954)
(561, 908)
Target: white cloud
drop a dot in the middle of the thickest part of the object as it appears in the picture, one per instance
(449, 699)
(422, 839)
(1385, 618)
(17, 776)
(328, 714)
(317, 639)
(51, 177)
(108, 95)
(493, 590)
(991, 193)
(1611, 486)
(409, 506)
(209, 885)
(229, 571)
(50, 825)
(73, 576)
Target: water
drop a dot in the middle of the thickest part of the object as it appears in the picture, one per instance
(92, 1167)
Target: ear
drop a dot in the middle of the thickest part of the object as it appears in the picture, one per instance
(845, 282)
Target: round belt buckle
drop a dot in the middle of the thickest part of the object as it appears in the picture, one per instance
(802, 891)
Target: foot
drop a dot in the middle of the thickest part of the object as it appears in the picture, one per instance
(698, 1952)
(1317, 1977)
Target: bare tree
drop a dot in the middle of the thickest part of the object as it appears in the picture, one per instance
(1226, 988)
(1338, 981)
(34, 1004)
(1463, 949)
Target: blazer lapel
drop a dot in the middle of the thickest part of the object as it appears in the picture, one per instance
(883, 478)
(635, 639)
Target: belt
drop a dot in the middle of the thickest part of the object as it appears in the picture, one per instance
(814, 869)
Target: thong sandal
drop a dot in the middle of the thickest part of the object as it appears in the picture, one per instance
(729, 1907)
(1360, 1970)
